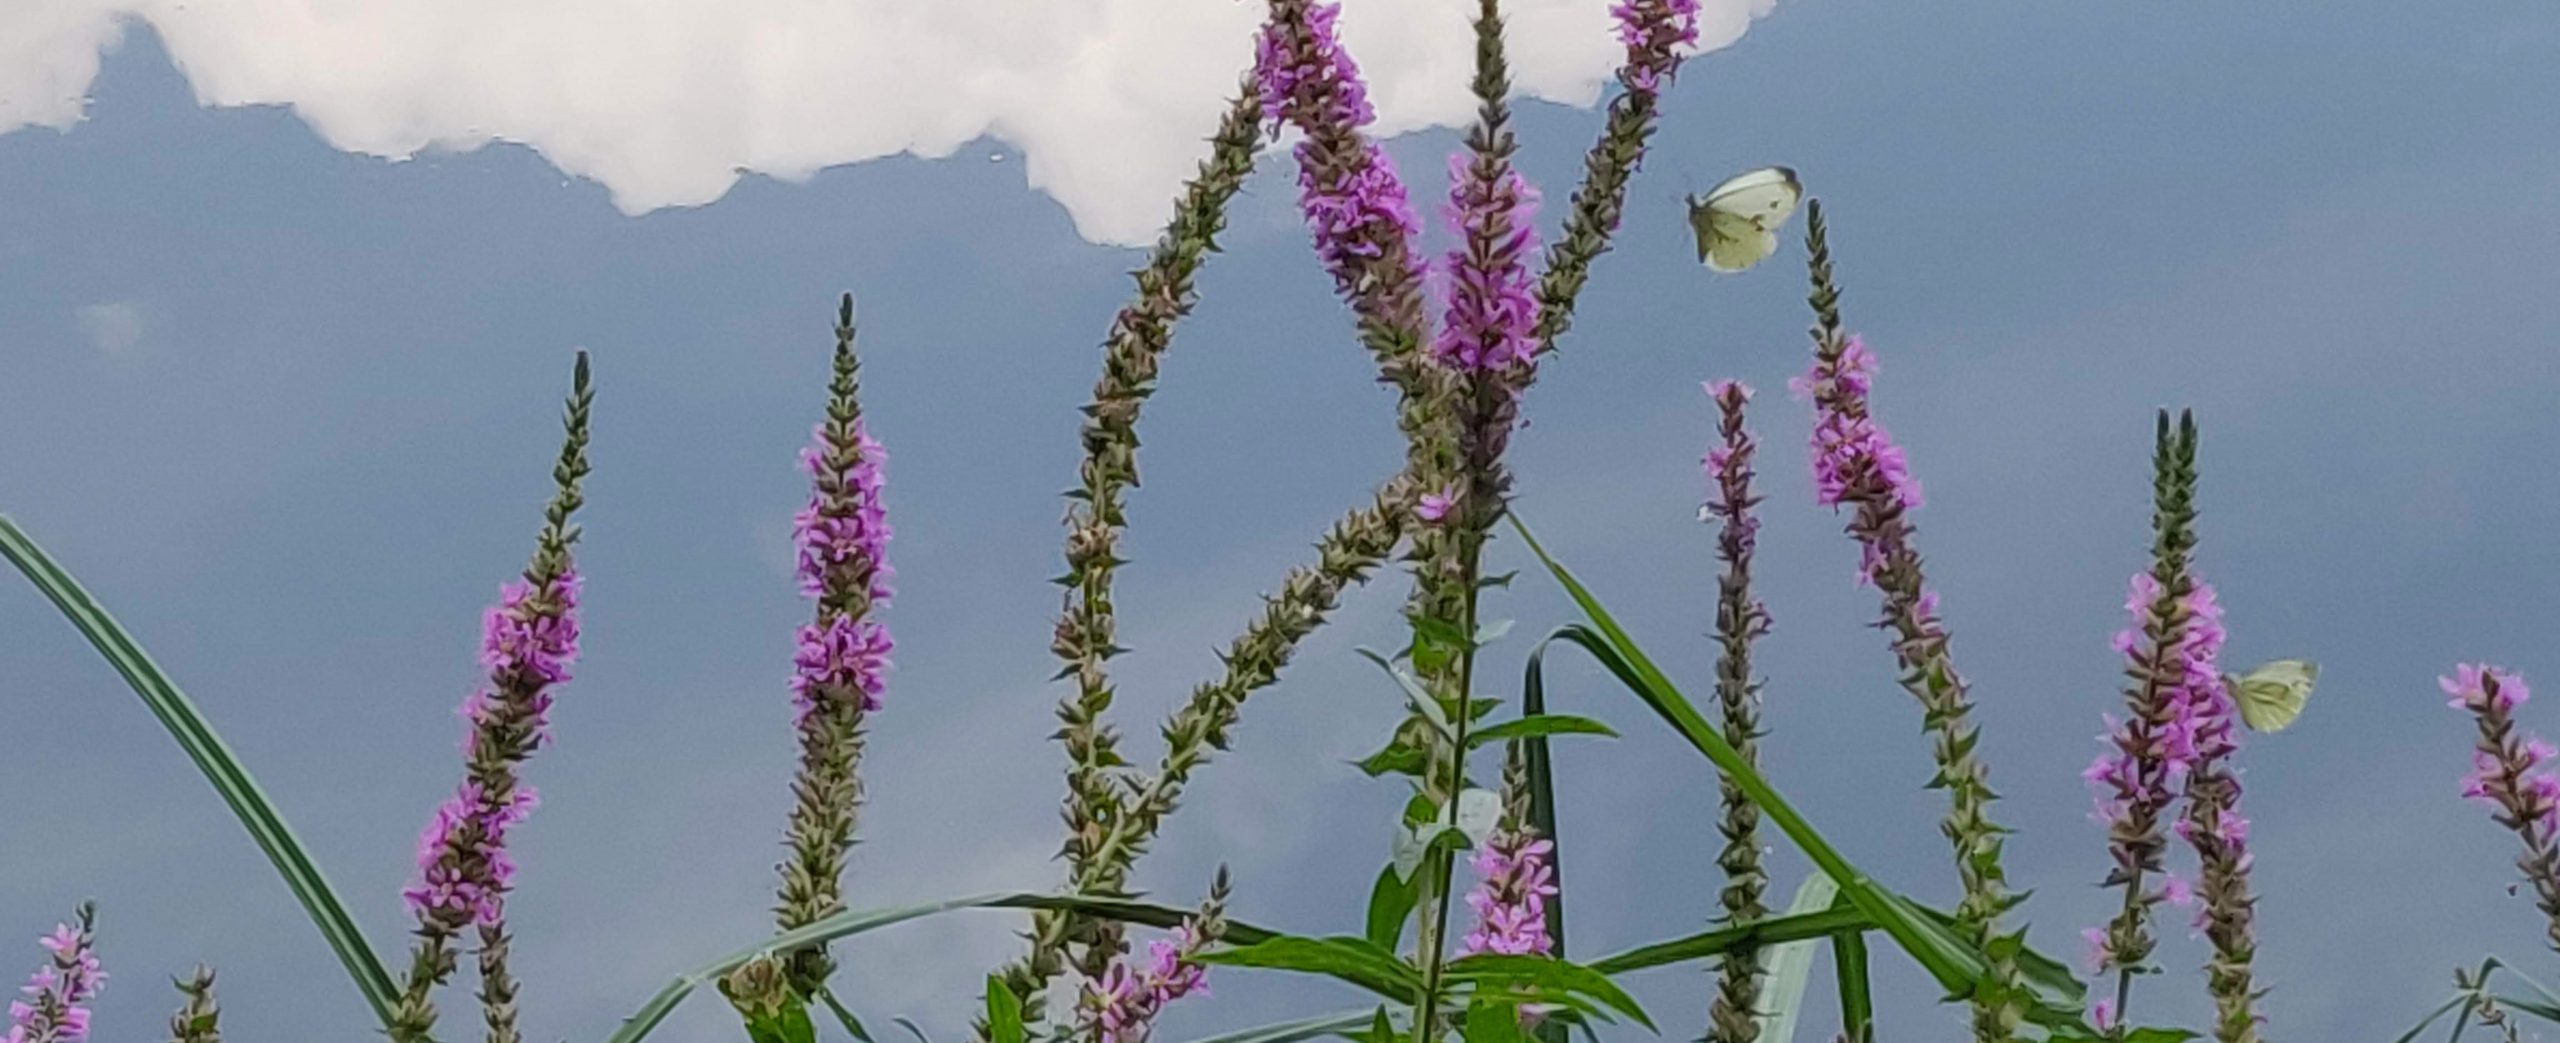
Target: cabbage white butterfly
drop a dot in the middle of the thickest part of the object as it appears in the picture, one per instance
(1737, 223)
(2271, 697)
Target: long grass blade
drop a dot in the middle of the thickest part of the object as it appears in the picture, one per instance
(1956, 966)
(1300, 1029)
(1706, 944)
(863, 921)
(1790, 965)
(1857, 999)
(1542, 815)
(214, 759)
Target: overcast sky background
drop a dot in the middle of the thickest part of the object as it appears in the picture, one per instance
(289, 411)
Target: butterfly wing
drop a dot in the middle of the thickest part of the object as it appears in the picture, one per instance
(2272, 696)
(1736, 243)
(1737, 223)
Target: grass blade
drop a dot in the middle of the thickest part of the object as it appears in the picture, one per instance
(214, 759)
(1947, 958)
(1790, 965)
(1857, 1000)
(1542, 814)
(1775, 931)
(862, 921)
(1301, 1029)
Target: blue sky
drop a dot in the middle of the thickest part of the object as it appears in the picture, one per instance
(289, 411)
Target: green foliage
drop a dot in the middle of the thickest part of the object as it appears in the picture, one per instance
(214, 759)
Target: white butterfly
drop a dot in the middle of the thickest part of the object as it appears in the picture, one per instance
(1737, 223)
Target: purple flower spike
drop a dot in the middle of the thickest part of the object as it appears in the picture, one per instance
(528, 643)
(1356, 206)
(1514, 881)
(2512, 773)
(54, 1010)
(1654, 31)
(1121, 1006)
(1492, 319)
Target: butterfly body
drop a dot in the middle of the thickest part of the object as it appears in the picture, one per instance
(1737, 222)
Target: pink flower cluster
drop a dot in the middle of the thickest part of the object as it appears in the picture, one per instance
(1653, 31)
(843, 536)
(1124, 1003)
(1849, 446)
(1348, 189)
(464, 869)
(847, 529)
(52, 1011)
(2147, 760)
(528, 642)
(1509, 899)
(1492, 317)
(2510, 772)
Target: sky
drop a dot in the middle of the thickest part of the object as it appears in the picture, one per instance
(287, 406)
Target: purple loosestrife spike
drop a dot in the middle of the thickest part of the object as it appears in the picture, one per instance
(1740, 620)
(2214, 827)
(54, 1007)
(2512, 773)
(1484, 346)
(1856, 466)
(1510, 896)
(200, 1019)
(528, 643)
(1121, 1003)
(2152, 749)
(1104, 837)
(841, 663)
(1654, 32)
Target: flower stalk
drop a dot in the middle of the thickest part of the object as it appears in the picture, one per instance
(1741, 619)
(1104, 834)
(199, 1020)
(2152, 750)
(2511, 773)
(1858, 466)
(1120, 1004)
(840, 668)
(529, 640)
(55, 1008)
(2214, 827)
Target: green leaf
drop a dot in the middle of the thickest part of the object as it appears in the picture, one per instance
(852, 1025)
(1707, 944)
(1857, 1001)
(790, 1024)
(1490, 1021)
(1955, 965)
(1351, 959)
(1397, 758)
(1789, 965)
(1004, 1013)
(862, 921)
(912, 1029)
(1391, 901)
(214, 759)
(1546, 972)
(2433, 1016)
(1347, 1024)
(1542, 816)
(2160, 1035)
(1540, 726)
(1415, 697)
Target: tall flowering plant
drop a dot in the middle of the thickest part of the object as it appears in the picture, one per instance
(528, 642)
(841, 662)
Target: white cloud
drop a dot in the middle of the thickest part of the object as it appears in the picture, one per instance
(113, 327)
(664, 101)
